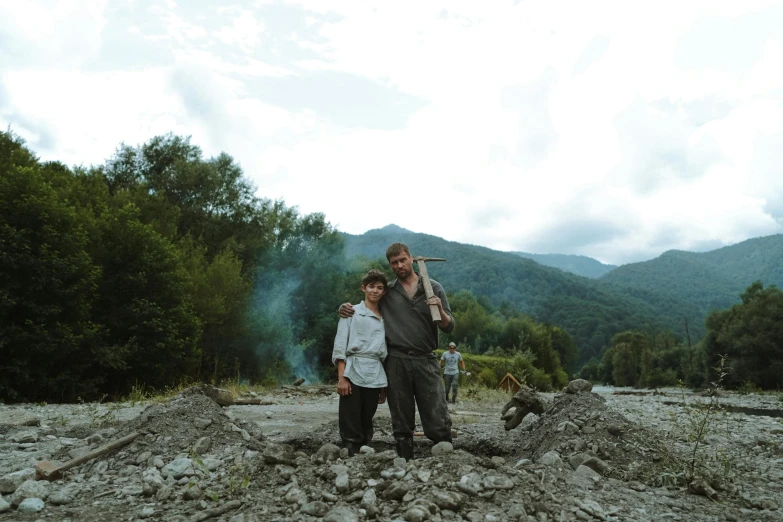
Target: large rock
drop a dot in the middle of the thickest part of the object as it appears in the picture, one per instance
(279, 454)
(30, 505)
(341, 514)
(551, 458)
(446, 499)
(30, 489)
(22, 437)
(578, 386)
(328, 453)
(4, 506)
(178, 468)
(219, 395)
(441, 448)
(525, 401)
(315, 509)
(9, 483)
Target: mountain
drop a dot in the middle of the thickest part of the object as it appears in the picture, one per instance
(579, 265)
(591, 311)
(709, 280)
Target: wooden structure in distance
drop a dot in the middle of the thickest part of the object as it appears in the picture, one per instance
(509, 383)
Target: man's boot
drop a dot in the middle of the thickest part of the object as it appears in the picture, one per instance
(405, 448)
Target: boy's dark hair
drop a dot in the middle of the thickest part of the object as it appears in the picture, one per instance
(396, 249)
(375, 276)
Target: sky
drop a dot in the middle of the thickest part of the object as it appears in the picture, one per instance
(612, 129)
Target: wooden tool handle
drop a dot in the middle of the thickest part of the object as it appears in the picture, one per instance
(425, 279)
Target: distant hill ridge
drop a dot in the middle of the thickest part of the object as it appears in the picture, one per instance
(661, 293)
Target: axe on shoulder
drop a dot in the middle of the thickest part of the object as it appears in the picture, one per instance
(425, 279)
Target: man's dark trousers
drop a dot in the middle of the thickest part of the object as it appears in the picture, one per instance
(415, 382)
(452, 383)
(356, 413)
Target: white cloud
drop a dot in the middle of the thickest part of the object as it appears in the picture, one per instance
(609, 129)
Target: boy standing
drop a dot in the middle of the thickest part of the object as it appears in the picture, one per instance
(451, 373)
(359, 352)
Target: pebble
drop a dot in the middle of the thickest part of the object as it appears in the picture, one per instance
(341, 514)
(11, 481)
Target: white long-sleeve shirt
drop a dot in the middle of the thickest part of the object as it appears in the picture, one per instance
(361, 343)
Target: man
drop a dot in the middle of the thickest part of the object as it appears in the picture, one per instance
(452, 358)
(412, 368)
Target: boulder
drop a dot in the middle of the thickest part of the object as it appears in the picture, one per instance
(578, 386)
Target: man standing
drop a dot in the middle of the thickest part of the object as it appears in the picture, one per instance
(451, 373)
(412, 367)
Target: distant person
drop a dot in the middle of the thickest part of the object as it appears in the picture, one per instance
(359, 352)
(412, 366)
(452, 358)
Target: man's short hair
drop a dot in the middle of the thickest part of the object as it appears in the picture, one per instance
(375, 276)
(396, 249)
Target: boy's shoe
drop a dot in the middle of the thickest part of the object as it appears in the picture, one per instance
(405, 448)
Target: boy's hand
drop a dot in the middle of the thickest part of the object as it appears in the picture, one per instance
(343, 387)
(382, 396)
(346, 310)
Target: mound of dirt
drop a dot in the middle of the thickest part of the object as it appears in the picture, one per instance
(580, 426)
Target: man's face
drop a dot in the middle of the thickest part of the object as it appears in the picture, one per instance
(373, 292)
(452, 349)
(402, 265)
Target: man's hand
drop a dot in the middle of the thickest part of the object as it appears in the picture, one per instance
(346, 310)
(382, 396)
(445, 319)
(343, 387)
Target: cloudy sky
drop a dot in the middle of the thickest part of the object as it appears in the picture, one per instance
(616, 130)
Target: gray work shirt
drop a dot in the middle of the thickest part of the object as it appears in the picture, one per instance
(409, 325)
(361, 343)
(452, 362)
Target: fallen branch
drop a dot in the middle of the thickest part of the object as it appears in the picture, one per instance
(252, 402)
(47, 470)
(216, 511)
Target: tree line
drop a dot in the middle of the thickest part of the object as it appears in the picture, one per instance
(747, 336)
(162, 266)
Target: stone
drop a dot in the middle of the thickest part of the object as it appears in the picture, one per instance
(315, 509)
(211, 463)
(499, 460)
(61, 497)
(221, 396)
(366, 450)
(30, 489)
(446, 499)
(567, 427)
(178, 468)
(442, 448)
(498, 482)
(94, 439)
(81, 451)
(296, 496)
(701, 487)
(342, 482)
(615, 430)
(517, 512)
(285, 472)
(201, 423)
(22, 437)
(32, 421)
(146, 512)
(143, 457)
(192, 492)
(341, 514)
(30, 505)
(328, 452)
(596, 464)
(393, 473)
(551, 458)
(202, 445)
(577, 459)
(578, 386)
(9, 483)
(399, 462)
(424, 475)
(4, 506)
(522, 462)
(416, 514)
(368, 498)
(591, 507)
(158, 462)
(164, 493)
(529, 422)
(279, 454)
(584, 477)
(395, 491)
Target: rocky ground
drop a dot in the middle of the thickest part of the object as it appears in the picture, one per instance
(602, 455)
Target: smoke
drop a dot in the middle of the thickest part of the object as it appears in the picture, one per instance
(271, 315)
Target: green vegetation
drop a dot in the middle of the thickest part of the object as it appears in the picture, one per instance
(580, 265)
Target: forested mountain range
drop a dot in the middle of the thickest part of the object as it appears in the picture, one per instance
(709, 280)
(579, 265)
(659, 294)
(589, 310)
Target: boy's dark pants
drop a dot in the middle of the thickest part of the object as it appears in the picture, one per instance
(415, 382)
(356, 413)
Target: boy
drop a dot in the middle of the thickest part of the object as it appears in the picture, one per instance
(359, 352)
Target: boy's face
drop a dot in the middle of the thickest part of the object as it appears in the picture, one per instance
(373, 292)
